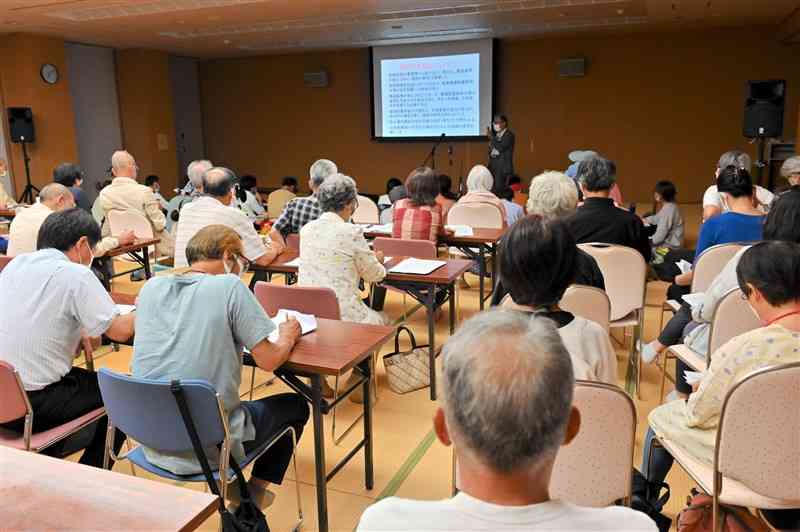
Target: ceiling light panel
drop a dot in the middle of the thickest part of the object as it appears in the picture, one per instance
(144, 8)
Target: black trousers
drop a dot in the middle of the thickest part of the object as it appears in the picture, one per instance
(76, 394)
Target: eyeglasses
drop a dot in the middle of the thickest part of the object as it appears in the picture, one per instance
(244, 264)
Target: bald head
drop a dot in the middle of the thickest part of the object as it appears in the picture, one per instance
(218, 183)
(195, 171)
(123, 164)
(56, 197)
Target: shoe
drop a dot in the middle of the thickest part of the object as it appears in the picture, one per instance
(137, 276)
(648, 352)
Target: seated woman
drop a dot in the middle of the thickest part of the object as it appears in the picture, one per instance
(384, 201)
(667, 221)
(446, 199)
(249, 199)
(538, 261)
(193, 326)
(769, 275)
(334, 253)
(419, 217)
(479, 190)
(742, 222)
(553, 196)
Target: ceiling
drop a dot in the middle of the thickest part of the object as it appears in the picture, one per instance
(229, 28)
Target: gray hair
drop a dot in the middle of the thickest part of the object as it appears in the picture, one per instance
(552, 195)
(218, 181)
(736, 158)
(507, 388)
(121, 159)
(336, 192)
(196, 169)
(321, 170)
(597, 173)
(479, 179)
(53, 191)
(791, 167)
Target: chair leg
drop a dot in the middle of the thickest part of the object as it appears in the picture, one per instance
(252, 382)
(296, 483)
(454, 476)
(128, 448)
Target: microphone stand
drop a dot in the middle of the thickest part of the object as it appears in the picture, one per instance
(432, 154)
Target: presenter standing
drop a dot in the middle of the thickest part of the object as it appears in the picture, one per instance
(501, 152)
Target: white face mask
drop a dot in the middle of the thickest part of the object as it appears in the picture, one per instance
(242, 268)
(91, 256)
(496, 128)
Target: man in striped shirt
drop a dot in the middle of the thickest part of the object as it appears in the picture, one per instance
(215, 208)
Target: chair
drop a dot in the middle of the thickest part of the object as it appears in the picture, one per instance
(595, 468)
(587, 302)
(758, 444)
(482, 215)
(121, 221)
(732, 317)
(146, 411)
(367, 212)
(293, 242)
(277, 200)
(397, 247)
(625, 274)
(14, 404)
(4, 260)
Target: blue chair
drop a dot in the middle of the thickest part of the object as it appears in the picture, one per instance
(146, 411)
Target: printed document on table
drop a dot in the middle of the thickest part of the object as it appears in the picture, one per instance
(417, 266)
(308, 322)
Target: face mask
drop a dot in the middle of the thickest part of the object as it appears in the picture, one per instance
(496, 128)
(242, 267)
(91, 257)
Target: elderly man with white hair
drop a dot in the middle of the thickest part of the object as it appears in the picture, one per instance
(507, 389)
(195, 172)
(479, 190)
(790, 170)
(300, 211)
(125, 194)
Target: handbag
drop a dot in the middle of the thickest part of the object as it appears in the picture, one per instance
(248, 517)
(410, 370)
(646, 497)
(697, 516)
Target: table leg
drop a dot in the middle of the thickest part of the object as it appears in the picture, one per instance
(369, 472)
(451, 294)
(146, 256)
(430, 304)
(319, 452)
(481, 272)
(495, 275)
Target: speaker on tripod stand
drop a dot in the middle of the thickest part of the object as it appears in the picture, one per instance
(763, 115)
(20, 126)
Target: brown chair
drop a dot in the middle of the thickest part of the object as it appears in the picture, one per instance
(276, 201)
(293, 242)
(14, 404)
(397, 247)
(4, 260)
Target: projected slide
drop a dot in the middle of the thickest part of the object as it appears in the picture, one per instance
(428, 96)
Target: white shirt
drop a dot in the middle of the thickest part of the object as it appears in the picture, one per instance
(54, 299)
(24, 230)
(711, 198)
(205, 211)
(468, 514)
(589, 347)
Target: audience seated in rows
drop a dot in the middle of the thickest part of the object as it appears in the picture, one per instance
(154, 183)
(193, 325)
(384, 201)
(398, 193)
(666, 219)
(576, 157)
(713, 201)
(6, 201)
(446, 198)
(479, 190)
(419, 217)
(125, 194)
(299, 211)
(71, 176)
(538, 262)
(553, 196)
(507, 388)
(59, 307)
(769, 275)
(249, 200)
(214, 208)
(513, 211)
(194, 173)
(790, 170)
(598, 219)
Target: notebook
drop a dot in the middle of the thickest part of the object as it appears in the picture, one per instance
(684, 266)
(417, 266)
(460, 230)
(385, 229)
(694, 300)
(125, 309)
(308, 322)
(295, 263)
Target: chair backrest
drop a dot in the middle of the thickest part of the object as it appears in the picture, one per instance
(625, 275)
(367, 212)
(732, 317)
(146, 411)
(121, 221)
(277, 200)
(13, 400)
(758, 440)
(397, 247)
(4, 260)
(321, 302)
(710, 263)
(293, 241)
(595, 468)
(587, 302)
(483, 215)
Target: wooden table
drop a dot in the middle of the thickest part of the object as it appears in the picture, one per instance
(7, 213)
(423, 288)
(138, 251)
(333, 349)
(482, 238)
(38, 492)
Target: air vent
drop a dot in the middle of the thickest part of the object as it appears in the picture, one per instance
(572, 67)
(316, 80)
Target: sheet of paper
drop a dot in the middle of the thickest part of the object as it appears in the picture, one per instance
(385, 229)
(417, 266)
(125, 309)
(293, 263)
(386, 259)
(460, 230)
(308, 322)
(695, 299)
(684, 266)
(693, 377)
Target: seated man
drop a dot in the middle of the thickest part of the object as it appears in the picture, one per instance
(598, 219)
(195, 171)
(507, 387)
(125, 194)
(193, 326)
(59, 305)
(53, 198)
(215, 208)
(71, 176)
(300, 211)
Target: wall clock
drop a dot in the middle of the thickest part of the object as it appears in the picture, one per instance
(49, 73)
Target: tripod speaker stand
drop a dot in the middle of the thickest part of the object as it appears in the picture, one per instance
(30, 193)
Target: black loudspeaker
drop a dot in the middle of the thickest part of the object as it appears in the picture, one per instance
(763, 108)
(20, 124)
